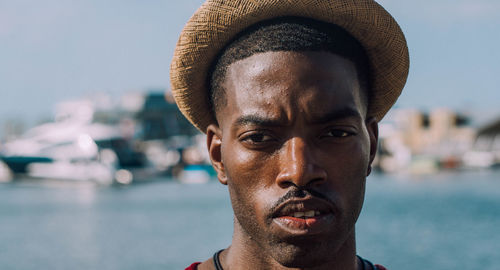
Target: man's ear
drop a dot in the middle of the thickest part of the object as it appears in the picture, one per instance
(372, 127)
(214, 145)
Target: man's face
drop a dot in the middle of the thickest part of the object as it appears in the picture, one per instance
(294, 148)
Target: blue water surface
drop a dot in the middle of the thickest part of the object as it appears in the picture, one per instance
(444, 221)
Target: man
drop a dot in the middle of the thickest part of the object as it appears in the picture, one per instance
(289, 94)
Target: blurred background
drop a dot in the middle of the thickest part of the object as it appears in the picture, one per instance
(99, 170)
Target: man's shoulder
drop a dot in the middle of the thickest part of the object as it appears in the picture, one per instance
(193, 266)
(369, 265)
(206, 265)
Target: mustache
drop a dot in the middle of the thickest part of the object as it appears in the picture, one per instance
(298, 193)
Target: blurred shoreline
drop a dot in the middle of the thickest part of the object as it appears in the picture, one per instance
(143, 136)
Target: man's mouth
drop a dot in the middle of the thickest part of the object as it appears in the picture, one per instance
(309, 216)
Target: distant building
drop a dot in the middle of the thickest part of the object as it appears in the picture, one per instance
(142, 116)
(485, 151)
(160, 118)
(489, 136)
(414, 140)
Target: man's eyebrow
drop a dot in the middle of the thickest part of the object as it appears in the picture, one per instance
(334, 115)
(257, 120)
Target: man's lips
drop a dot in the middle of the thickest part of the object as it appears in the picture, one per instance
(304, 208)
(305, 216)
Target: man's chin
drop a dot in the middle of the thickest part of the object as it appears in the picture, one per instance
(301, 255)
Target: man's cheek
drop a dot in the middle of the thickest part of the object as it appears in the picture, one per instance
(248, 169)
(251, 193)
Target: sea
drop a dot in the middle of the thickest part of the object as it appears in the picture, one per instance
(450, 220)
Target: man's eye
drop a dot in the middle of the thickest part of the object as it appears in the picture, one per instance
(258, 138)
(338, 133)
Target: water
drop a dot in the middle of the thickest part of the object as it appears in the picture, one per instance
(438, 222)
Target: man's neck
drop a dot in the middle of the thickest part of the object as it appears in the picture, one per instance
(245, 253)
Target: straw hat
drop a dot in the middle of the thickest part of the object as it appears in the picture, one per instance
(217, 22)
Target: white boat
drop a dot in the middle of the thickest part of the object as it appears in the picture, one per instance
(70, 150)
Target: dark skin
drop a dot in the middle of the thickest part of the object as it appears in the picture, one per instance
(294, 147)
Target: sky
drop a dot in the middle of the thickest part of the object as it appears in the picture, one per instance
(57, 50)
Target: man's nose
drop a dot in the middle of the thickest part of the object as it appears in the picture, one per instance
(298, 166)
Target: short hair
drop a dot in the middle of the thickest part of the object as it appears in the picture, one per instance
(287, 34)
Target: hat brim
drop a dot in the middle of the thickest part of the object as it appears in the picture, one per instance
(217, 22)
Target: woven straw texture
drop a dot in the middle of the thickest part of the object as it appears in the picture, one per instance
(216, 23)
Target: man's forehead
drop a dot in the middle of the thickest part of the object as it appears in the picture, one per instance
(289, 68)
(261, 64)
(275, 85)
